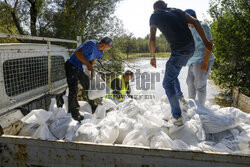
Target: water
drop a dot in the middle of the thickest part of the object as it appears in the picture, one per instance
(143, 64)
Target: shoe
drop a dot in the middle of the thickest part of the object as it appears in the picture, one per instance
(177, 122)
(183, 104)
(78, 118)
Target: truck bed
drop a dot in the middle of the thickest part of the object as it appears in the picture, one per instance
(25, 151)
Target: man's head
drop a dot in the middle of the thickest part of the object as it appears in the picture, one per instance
(159, 5)
(105, 43)
(128, 75)
(191, 12)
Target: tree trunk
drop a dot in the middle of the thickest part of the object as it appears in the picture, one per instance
(33, 16)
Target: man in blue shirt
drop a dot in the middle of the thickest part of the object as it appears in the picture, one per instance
(200, 64)
(173, 23)
(85, 55)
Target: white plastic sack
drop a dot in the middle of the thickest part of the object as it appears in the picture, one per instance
(100, 112)
(126, 125)
(136, 138)
(161, 140)
(60, 127)
(66, 103)
(39, 117)
(86, 132)
(97, 87)
(85, 106)
(28, 129)
(223, 119)
(187, 133)
(108, 134)
(129, 108)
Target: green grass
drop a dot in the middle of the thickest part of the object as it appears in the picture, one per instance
(139, 55)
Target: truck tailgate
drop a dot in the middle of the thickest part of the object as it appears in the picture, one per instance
(25, 151)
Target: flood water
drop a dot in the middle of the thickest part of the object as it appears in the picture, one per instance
(156, 90)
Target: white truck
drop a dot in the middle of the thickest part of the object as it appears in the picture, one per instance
(27, 82)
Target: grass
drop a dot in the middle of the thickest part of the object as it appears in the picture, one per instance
(139, 55)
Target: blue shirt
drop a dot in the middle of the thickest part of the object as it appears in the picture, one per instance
(199, 52)
(173, 25)
(90, 52)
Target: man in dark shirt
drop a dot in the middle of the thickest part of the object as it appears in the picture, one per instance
(173, 23)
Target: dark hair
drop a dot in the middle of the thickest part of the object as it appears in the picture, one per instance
(128, 72)
(159, 4)
(107, 40)
(191, 12)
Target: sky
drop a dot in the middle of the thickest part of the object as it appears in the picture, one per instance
(135, 14)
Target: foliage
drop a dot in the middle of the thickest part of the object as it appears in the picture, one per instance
(231, 35)
(6, 26)
(62, 18)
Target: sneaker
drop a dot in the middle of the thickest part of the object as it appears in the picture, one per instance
(183, 104)
(177, 122)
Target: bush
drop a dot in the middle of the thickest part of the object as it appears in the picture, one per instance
(230, 30)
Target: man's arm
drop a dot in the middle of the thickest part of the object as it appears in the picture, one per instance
(208, 53)
(152, 43)
(93, 61)
(80, 56)
(208, 44)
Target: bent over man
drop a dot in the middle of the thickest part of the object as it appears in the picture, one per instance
(85, 55)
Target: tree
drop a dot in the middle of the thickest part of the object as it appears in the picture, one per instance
(63, 18)
(127, 44)
(231, 35)
(90, 18)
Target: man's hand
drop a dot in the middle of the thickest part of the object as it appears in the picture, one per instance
(90, 68)
(204, 66)
(153, 62)
(209, 45)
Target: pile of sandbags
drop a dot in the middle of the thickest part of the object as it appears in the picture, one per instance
(145, 123)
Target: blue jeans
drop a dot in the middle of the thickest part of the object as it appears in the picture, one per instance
(171, 84)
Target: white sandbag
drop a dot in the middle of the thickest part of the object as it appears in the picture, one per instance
(136, 138)
(129, 107)
(215, 107)
(58, 113)
(223, 119)
(43, 133)
(180, 145)
(126, 125)
(213, 146)
(187, 133)
(217, 137)
(28, 129)
(100, 112)
(39, 117)
(66, 103)
(108, 104)
(108, 134)
(60, 127)
(86, 132)
(88, 118)
(52, 105)
(97, 87)
(72, 128)
(161, 140)
(85, 106)
(165, 108)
